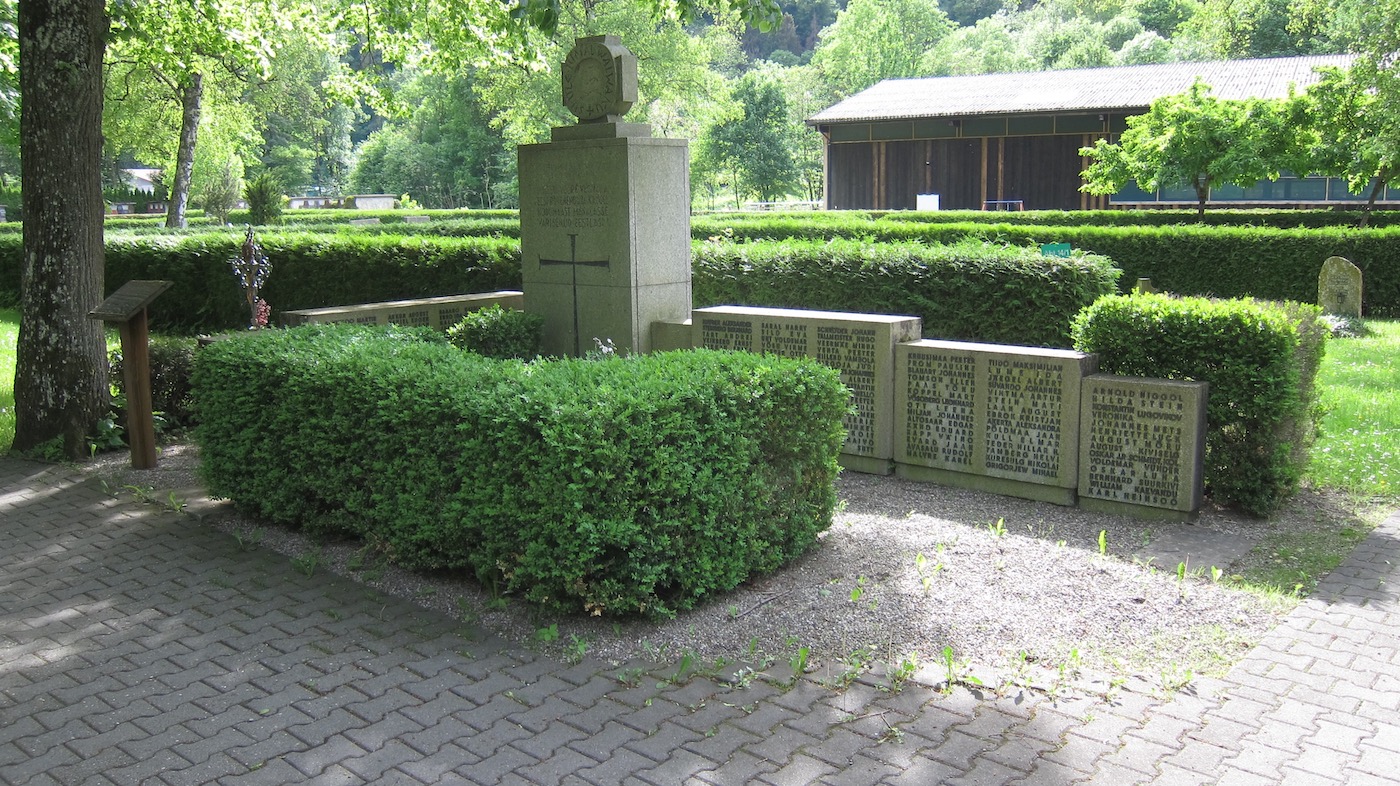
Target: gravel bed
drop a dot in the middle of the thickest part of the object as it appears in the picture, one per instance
(1009, 588)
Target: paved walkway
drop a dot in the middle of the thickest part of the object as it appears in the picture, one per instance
(139, 648)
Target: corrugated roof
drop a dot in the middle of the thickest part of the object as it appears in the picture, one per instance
(1091, 89)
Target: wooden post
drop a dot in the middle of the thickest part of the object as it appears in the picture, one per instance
(127, 306)
(136, 376)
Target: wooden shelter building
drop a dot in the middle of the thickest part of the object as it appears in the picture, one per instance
(1011, 141)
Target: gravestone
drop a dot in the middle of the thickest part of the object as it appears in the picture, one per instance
(993, 417)
(604, 213)
(1141, 445)
(860, 346)
(1339, 288)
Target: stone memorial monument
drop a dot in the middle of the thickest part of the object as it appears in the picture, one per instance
(1339, 288)
(604, 213)
(1142, 445)
(860, 346)
(993, 417)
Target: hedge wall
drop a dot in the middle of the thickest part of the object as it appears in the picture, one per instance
(308, 271)
(1261, 360)
(1228, 262)
(968, 291)
(617, 486)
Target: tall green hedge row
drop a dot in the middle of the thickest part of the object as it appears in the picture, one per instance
(1227, 262)
(1277, 218)
(1261, 361)
(967, 291)
(618, 486)
(308, 271)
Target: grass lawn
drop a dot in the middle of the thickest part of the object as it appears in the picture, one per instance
(9, 333)
(1359, 449)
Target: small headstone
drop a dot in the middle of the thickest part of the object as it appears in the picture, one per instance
(363, 221)
(1339, 288)
(1144, 287)
(416, 219)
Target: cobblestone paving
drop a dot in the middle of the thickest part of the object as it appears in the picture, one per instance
(137, 647)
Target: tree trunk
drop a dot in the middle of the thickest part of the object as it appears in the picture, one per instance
(1376, 188)
(61, 363)
(191, 98)
(1202, 194)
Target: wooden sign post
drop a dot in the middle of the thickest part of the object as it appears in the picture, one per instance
(127, 306)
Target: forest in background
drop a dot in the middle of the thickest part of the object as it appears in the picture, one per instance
(322, 103)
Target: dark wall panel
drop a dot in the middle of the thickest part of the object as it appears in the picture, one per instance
(1042, 171)
(851, 179)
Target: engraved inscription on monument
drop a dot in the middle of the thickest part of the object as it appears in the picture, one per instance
(574, 207)
(939, 423)
(1025, 398)
(1142, 441)
(786, 338)
(852, 350)
(717, 333)
(860, 346)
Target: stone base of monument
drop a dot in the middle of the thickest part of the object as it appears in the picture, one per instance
(1040, 492)
(1144, 512)
(668, 336)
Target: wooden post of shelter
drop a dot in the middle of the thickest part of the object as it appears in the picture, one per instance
(127, 306)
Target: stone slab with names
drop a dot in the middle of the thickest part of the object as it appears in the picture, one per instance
(860, 346)
(604, 214)
(1339, 288)
(989, 416)
(435, 312)
(1142, 445)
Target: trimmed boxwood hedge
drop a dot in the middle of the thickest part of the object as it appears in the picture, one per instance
(969, 291)
(1261, 360)
(614, 486)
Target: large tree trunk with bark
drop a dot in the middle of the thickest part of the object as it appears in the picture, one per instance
(61, 366)
(191, 97)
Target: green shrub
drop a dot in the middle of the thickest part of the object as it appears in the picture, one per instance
(499, 333)
(172, 363)
(265, 199)
(1262, 396)
(969, 291)
(618, 486)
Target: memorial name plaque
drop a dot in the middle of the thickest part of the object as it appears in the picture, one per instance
(1142, 443)
(440, 313)
(860, 346)
(990, 416)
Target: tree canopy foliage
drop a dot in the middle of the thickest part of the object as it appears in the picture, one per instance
(1194, 139)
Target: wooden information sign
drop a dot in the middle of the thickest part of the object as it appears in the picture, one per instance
(127, 306)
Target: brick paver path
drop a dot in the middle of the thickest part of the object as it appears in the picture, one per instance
(139, 647)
